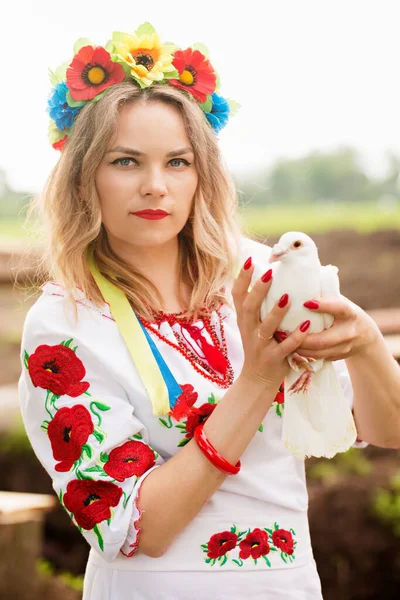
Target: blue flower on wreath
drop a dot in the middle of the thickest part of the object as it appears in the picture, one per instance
(60, 111)
(219, 114)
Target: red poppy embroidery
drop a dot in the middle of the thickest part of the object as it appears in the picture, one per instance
(185, 401)
(132, 458)
(58, 369)
(197, 416)
(68, 431)
(255, 544)
(221, 543)
(283, 540)
(90, 501)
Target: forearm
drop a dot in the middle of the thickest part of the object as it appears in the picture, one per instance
(172, 495)
(375, 377)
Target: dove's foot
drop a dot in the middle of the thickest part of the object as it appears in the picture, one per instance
(298, 362)
(302, 383)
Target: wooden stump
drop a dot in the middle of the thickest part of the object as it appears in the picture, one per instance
(21, 531)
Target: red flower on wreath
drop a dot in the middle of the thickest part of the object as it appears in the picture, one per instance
(68, 431)
(280, 397)
(58, 369)
(197, 416)
(91, 72)
(184, 402)
(59, 145)
(221, 543)
(283, 540)
(132, 458)
(196, 74)
(255, 544)
(90, 501)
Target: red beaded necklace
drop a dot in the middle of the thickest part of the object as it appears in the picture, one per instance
(197, 363)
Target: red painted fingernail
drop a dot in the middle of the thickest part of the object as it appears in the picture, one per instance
(283, 301)
(280, 336)
(311, 304)
(247, 264)
(304, 326)
(267, 276)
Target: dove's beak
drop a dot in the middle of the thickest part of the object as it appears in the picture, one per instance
(277, 253)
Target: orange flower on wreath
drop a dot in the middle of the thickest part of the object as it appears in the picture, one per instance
(196, 74)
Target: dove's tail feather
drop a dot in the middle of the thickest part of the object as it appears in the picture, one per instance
(318, 422)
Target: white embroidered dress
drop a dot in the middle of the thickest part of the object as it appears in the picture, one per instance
(90, 422)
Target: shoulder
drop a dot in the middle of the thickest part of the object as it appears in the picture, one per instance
(57, 312)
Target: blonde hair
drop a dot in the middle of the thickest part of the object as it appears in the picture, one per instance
(208, 243)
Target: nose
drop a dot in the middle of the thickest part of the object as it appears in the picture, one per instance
(153, 183)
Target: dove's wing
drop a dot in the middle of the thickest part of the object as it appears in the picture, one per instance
(330, 288)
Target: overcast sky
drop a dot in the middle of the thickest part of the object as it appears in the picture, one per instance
(309, 74)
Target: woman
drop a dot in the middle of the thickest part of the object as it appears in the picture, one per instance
(154, 501)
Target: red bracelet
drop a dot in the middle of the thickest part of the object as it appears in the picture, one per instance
(213, 455)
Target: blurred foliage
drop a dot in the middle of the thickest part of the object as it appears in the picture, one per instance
(352, 462)
(46, 569)
(15, 440)
(319, 177)
(11, 202)
(386, 505)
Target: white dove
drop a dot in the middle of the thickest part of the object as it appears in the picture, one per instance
(317, 419)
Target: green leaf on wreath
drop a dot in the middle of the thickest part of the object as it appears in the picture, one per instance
(183, 442)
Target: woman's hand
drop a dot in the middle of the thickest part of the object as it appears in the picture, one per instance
(353, 331)
(264, 359)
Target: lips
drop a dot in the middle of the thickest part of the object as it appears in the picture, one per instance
(151, 214)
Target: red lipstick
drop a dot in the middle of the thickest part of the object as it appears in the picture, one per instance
(153, 215)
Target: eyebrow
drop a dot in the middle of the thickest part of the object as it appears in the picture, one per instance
(133, 152)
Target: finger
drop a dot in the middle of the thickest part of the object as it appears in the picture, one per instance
(335, 335)
(293, 340)
(253, 301)
(272, 321)
(341, 308)
(241, 285)
(332, 353)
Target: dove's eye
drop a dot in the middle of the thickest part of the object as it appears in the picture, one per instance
(297, 244)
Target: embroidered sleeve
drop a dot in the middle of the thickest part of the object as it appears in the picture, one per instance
(82, 427)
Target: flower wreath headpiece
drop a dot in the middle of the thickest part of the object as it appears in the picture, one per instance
(141, 58)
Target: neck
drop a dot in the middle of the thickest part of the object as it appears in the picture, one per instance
(160, 264)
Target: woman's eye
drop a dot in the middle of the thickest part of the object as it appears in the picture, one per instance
(180, 160)
(123, 162)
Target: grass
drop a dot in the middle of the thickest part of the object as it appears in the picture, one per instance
(276, 219)
(321, 218)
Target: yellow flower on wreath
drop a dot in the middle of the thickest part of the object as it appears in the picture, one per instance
(143, 56)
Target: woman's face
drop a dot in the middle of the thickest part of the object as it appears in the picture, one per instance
(148, 164)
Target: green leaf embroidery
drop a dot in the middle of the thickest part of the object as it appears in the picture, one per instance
(104, 457)
(67, 343)
(99, 435)
(293, 531)
(46, 404)
(283, 558)
(223, 561)
(261, 428)
(211, 399)
(181, 426)
(26, 357)
(99, 406)
(266, 560)
(237, 562)
(276, 526)
(87, 450)
(233, 529)
(164, 423)
(97, 531)
(95, 469)
(183, 442)
(126, 498)
(208, 560)
(278, 409)
(268, 530)
(45, 425)
(137, 436)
